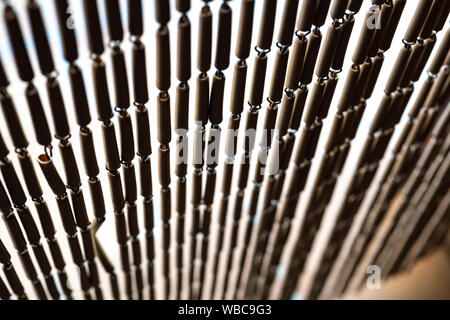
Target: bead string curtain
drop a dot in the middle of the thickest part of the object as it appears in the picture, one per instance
(245, 149)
